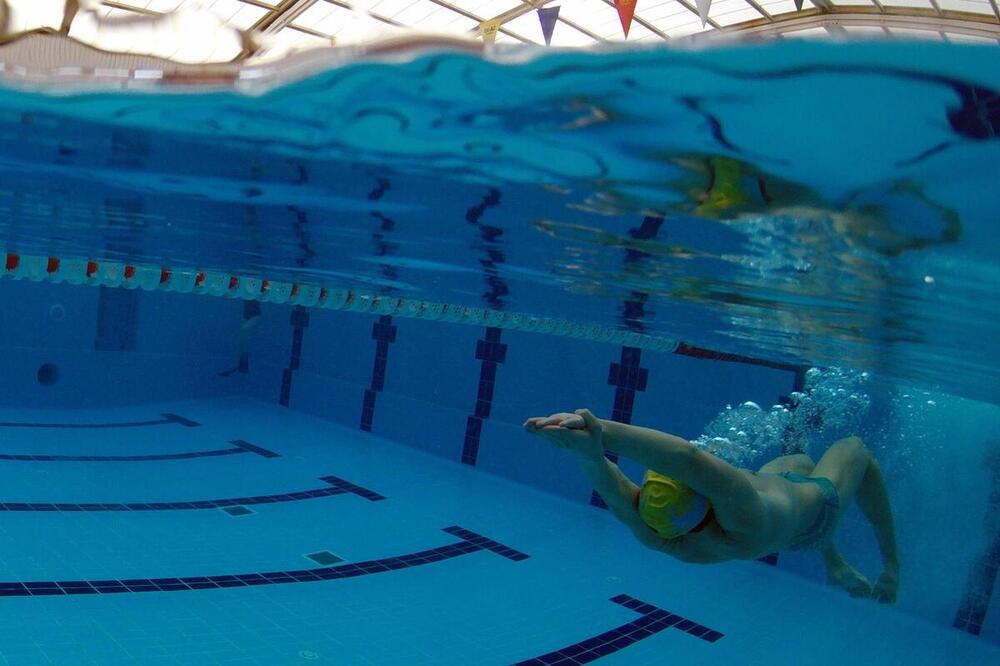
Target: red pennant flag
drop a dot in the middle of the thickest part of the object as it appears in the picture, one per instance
(626, 8)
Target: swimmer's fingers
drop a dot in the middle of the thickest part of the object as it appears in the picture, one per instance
(560, 420)
(590, 421)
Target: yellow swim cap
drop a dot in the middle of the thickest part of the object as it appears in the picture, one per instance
(669, 506)
(728, 189)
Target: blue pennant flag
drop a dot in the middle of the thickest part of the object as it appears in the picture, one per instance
(548, 17)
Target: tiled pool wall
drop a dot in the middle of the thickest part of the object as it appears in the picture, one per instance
(112, 346)
(462, 392)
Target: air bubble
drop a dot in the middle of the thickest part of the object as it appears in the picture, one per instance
(831, 405)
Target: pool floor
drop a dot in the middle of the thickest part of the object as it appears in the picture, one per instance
(180, 533)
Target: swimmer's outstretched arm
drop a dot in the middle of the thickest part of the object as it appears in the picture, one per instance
(572, 432)
(737, 506)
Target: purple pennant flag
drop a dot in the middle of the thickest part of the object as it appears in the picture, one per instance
(548, 17)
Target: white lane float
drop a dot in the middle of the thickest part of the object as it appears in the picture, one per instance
(79, 271)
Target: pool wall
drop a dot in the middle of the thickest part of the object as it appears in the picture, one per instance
(462, 392)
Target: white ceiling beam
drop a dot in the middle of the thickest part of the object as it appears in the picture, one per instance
(763, 12)
(908, 18)
(478, 19)
(281, 16)
(996, 9)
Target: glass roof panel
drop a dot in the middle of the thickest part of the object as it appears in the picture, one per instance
(973, 6)
(236, 13)
(728, 12)
(596, 16)
(323, 16)
(192, 36)
(689, 27)
(428, 15)
(28, 15)
(737, 16)
(922, 4)
(865, 31)
(775, 7)
(971, 39)
(667, 15)
(161, 6)
(487, 9)
(388, 8)
(289, 40)
(808, 33)
(922, 35)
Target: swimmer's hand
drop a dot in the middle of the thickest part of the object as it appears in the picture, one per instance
(887, 586)
(580, 432)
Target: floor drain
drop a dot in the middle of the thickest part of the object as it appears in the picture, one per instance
(236, 510)
(48, 374)
(325, 558)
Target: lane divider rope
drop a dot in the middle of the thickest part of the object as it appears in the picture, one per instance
(37, 268)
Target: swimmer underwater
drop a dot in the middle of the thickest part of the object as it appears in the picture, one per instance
(698, 508)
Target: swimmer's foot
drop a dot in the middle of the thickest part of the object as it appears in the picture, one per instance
(887, 586)
(844, 575)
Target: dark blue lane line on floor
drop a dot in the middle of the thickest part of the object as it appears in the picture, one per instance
(470, 543)
(240, 447)
(971, 615)
(653, 621)
(339, 487)
(385, 334)
(627, 377)
(492, 353)
(300, 322)
(253, 448)
(166, 420)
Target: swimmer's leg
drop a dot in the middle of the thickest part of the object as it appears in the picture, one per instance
(856, 475)
(838, 571)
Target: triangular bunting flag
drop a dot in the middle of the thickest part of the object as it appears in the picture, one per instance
(488, 29)
(548, 17)
(704, 6)
(626, 8)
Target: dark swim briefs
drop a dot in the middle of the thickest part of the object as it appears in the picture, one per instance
(826, 522)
